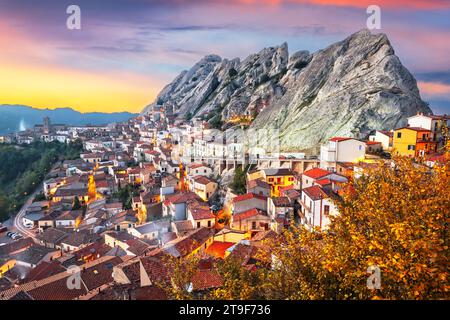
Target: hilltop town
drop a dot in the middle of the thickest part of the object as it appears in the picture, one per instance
(158, 186)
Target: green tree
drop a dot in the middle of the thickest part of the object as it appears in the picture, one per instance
(239, 181)
(76, 204)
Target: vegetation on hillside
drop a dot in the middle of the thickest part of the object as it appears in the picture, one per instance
(24, 167)
(239, 181)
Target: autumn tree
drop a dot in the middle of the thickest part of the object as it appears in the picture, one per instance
(180, 270)
(393, 219)
(238, 283)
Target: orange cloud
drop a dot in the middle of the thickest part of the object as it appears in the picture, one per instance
(434, 89)
(405, 4)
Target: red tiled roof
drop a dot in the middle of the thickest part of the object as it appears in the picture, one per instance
(315, 192)
(247, 214)
(200, 212)
(248, 196)
(57, 290)
(339, 139)
(202, 180)
(206, 279)
(281, 201)
(181, 197)
(101, 184)
(258, 183)
(323, 182)
(217, 248)
(372, 142)
(44, 270)
(316, 173)
(100, 274)
(196, 165)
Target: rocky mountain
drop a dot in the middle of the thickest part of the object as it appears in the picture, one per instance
(347, 89)
(15, 118)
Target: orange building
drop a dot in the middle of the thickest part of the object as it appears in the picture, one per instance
(413, 141)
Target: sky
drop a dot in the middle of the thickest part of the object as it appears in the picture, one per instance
(127, 50)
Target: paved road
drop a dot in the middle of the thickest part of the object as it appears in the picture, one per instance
(17, 223)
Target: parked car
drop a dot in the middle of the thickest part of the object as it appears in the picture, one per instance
(9, 234)
(3, 229)
(16, 236)
(28, 225)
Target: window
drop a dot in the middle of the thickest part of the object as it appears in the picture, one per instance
(198, 224)
(209, 223)
(411, 147)
(399, 135)
(326, 209)
(253, 224)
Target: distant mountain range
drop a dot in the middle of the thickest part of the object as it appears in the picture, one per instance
(15, 118)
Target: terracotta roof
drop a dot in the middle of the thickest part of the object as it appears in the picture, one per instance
(206, 279)
(185, 245)
(44, 270)
(339, 139)
(315, 193)
(181, 198)
(202, 180)
(257, 183)
(200, 211)
(247, 214)
(15, 246)
(196, 165)
(316, 173)
(217, 248)
(323, 182)
(79, 238)
(137, 246)
(248, 196)
(369, 143)
(154, 267)
(281, 201)
(34, 254)
(100, 274)
(102, 184)
(291, 194)
(56, 290)
(53, 235)
(262, 235)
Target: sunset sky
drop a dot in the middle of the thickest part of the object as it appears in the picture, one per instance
(128, 50)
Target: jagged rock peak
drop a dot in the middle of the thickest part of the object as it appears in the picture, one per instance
(349, 88)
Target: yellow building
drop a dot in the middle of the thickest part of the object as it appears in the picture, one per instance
(276, 178)
(413, 142)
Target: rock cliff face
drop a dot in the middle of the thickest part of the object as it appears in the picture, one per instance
(347, 89)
